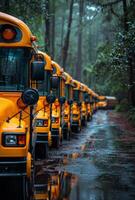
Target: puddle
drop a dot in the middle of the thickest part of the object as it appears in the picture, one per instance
(97, 164)
(54, 185)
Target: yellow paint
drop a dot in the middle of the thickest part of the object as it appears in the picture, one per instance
(26, 33)
(28, 165)
(8, 100)
(59, 70)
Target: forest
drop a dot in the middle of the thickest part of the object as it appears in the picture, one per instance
(93, 40)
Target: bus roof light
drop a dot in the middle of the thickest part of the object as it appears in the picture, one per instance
(8, 34)
(33, 38)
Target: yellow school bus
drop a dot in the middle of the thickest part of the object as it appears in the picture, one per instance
(19, 70)
(111, 102)
(76, 107)
(102, 102)
(68, 104)
(94, 101)
(58, 90)
(43, 117)
(84, 108)
(90, 105)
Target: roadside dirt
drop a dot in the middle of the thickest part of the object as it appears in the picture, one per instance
(121, 120)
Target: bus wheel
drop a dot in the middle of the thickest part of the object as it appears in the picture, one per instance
(24, 189)
(76, 129)
(55, 142)
(65, 135)
(41, 151)
(69, 134)
(88, 118)
(85, 122)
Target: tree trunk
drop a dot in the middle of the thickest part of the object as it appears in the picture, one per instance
(47, 26)
(131, 98)
(61, 39)
(133, 92)
(66, 41)
(52, 32)
(125, 15)
(6, 6)
(79, 46)
(62, 30)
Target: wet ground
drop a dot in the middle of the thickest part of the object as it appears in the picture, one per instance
(97, 164)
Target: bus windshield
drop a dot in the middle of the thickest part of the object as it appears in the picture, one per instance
(76, 95)
(56, 91)
(67, 88)
(14, 68)
(86, 97)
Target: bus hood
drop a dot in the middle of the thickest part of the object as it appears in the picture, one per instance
(7, 109)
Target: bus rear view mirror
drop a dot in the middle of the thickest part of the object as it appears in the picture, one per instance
(30, 96)
(62, 100)
(50, 98)
(70, 102)
(37, 70)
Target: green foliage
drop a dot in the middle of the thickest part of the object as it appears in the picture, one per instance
(107, 49)
(112, 64)
(131, 114)
(122, 106)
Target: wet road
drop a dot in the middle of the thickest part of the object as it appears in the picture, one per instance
(97, 164)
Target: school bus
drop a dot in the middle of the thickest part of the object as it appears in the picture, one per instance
(102, 102)
(58, 90)
(19, 70)
(43, 118)
(84, 105)
(76, 107)
(89, 104)
(68, 104)
(60, 185)
(111, 102)
(95, 101)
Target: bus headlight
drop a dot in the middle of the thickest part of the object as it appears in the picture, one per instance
(14, 140)
(10, 140)
(41, 122)
(55, 120)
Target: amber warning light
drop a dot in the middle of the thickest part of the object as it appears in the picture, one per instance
(8, 34)
(33, 38)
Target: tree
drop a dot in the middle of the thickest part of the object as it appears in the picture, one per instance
(47, 26)
(67, 37)
(79, 45)
(52, 29)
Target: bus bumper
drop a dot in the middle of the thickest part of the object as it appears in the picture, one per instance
(12, 167)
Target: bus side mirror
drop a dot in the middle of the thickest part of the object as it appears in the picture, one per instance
(62, 100)
(37, 70)
(30, 96)
(86, 100)
(50, 98)
(54, 82)
(91, 102)
(70, 102)
(79, 103)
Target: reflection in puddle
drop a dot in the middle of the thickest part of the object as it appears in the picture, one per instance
(54, 185)
(97, 165)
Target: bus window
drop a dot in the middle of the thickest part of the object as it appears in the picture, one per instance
(86, 97)
(14, 64)
(76, 95)
(67, 95)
